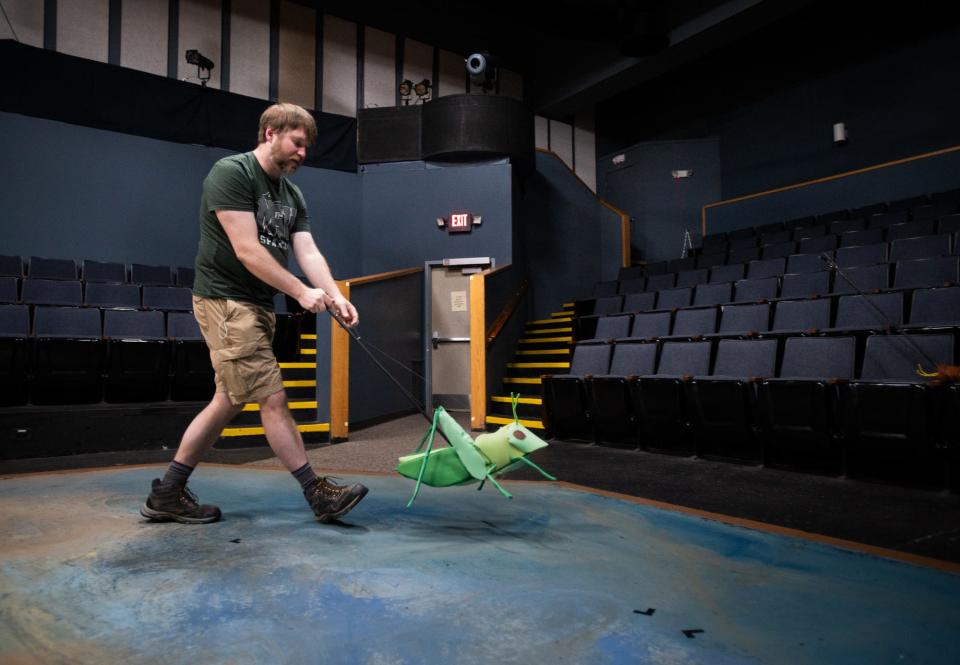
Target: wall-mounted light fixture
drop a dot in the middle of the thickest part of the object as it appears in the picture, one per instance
(840, 133)
(203, 63)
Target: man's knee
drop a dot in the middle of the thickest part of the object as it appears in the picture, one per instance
(275, 402)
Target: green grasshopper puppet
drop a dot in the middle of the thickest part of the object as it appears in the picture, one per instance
(467, 461)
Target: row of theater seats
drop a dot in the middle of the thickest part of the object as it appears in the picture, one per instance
(34, 291)
(95, 271)
(85, 355)
(920, 308)
(803, 252)
(902, 276)
(831, 404)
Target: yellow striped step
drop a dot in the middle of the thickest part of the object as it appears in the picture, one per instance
(560, 365)
(555, 314)
(538, 401)
(300, 384)
(258, 431)
(544, 352)
(533, 380)
(292, 405)
(544, 331)
(308, 352)
(548, 321)
(527, 340)
(308, 336)
(298, 365)
(502, 420)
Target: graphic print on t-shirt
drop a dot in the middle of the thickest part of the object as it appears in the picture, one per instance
(275, 221)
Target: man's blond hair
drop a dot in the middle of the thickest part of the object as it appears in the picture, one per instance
(284, 116)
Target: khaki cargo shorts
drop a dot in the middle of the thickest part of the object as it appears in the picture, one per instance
(240, 337)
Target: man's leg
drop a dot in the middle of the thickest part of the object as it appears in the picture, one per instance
(169, 498)
(328, 500)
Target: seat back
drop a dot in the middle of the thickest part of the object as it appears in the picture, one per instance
(746, 357)
(185, 277)
(744, 318)
(858, 238)
(639, 302)
(133, 324)
(766, 268)
(699, 321)
(51, 292)
(609, 327)
(818, 358)
(9, 289)
(590, 359)
(607, 305)
(42, 268)
(896, 357)
(633, 285)
(801, 315)
(862, 278)
(751, 290)
(923, 247)
(713, 294)
(98, 271)
(99, 294)
(145, 275)
(651, 324)
(674, 298)
(11, 266)
(661, 282)
(692, 277)
(924, 227)
(926, 272)
(633, 359)
(14, 321)
(183, 325)
(861, 255)
(605, 289)
(167, 298)
(728, 273)
(805, 285)
(74, 322)
(800, 263)
(937, 306)
(871, 311)
(681, 358)
(826, 243)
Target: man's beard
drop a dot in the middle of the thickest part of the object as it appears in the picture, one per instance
(287, 165)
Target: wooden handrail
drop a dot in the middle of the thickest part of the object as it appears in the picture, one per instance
(624, 217)
(816, 181)
(340, 355)
(478, 351)
(381, 276)
(505, 314)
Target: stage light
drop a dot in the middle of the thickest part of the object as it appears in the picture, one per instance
(482, 70)
(422, 89)
(203, 63)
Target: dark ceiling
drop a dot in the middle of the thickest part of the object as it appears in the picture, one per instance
(616, 55)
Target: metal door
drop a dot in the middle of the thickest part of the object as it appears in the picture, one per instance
(447, 320)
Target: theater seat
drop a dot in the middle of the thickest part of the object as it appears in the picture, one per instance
(564, 397)
(609, 395)
(138, 356)
(14, 354)
(192, 378)
(67, 356)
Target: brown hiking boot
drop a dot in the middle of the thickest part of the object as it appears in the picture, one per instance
(178, 504)
(330, 501)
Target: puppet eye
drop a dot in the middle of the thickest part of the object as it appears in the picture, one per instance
(519, 435)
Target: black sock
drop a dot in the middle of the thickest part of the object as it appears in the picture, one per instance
(304, 475)
(177, 474)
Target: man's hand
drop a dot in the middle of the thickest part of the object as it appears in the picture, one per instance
(346, 310)
(313, 300)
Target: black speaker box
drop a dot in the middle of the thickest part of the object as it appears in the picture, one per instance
(388, 134)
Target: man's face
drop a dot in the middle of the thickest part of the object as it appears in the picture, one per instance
(288, 149)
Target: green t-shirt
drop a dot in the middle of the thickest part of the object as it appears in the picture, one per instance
(238, 182)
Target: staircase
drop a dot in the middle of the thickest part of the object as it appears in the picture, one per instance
(545, 348)
(300, 382)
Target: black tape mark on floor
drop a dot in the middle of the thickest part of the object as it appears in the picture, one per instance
(690, 632)
(649, 612)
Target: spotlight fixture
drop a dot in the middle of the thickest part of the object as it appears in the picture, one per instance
(405, 89)
(482, 70)
(422, 89)
(194, 57)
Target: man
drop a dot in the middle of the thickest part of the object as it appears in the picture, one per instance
(250, 214)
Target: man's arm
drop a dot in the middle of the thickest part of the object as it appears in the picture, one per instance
(318, 272)
(241, 229)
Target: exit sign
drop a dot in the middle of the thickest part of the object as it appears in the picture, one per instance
(460, 222)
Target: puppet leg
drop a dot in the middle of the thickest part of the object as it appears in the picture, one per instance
(431, 434)
(544, 473)
(497, 485)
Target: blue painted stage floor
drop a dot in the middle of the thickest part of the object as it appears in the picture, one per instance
(554, 576)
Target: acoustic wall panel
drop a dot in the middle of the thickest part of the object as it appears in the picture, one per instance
(511, 84)
(143, 38)
(250, 48)
(27, 19)
(541, 135)
(585, 148)
(83, 28)
(417, 64)
(297, 75)
(561, 141)
(379, 68)
(200, 28)
(339, 66)
(452, 74)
